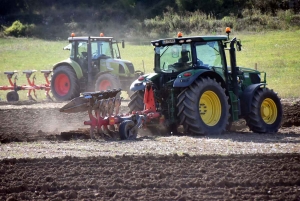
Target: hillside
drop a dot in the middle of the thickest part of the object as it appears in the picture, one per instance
(136, 19)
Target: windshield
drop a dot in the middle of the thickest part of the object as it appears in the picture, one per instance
(173, 58)
(208, 54)
(101, 48)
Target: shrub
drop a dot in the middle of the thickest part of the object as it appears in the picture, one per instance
(18, 29)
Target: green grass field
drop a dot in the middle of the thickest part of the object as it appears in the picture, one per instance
(276, 53)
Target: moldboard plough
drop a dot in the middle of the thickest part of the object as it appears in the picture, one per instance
(12, 77)
(103, 108)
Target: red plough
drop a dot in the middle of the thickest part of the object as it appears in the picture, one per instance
(103, 108)
(12, 77)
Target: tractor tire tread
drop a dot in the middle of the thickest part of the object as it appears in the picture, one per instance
(254, 119)
(188, 105)
(136, 101)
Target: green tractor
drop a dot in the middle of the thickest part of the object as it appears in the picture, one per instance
(94, 64)
(194, 86)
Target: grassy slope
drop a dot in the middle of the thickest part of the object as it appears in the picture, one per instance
(276, 53)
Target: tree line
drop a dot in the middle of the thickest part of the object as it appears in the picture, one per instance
(142, 9)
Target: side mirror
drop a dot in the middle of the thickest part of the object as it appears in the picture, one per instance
(123, 44)
(238, 45)
(68, 47)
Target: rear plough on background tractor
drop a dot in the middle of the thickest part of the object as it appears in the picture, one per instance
(193, 86)
(31, 86)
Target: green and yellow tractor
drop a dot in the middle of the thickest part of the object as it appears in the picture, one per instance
(194, 86)
(94, 64)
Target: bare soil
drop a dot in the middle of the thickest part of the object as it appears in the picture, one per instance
(47, 155)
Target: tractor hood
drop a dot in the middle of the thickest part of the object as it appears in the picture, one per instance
(140, 83)
(118, 66)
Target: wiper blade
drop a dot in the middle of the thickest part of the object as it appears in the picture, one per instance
(164, 51)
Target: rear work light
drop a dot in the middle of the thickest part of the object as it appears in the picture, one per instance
(187, 74)
(141, 78)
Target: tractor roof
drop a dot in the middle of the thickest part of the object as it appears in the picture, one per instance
(180, 40)
(93, 38)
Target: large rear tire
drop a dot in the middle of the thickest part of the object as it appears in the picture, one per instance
(266, 112)
(107, 81)
(136, 101)
(203, 107)
(64, 84)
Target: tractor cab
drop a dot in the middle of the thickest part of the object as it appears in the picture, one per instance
(175, 55)
(94, 64)
(100, 48)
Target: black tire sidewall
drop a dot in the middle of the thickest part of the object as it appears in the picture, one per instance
(188, 106)
(12, 96)
(124, 128)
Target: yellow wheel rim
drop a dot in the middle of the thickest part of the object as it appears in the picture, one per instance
(268, 111)
(210, 108)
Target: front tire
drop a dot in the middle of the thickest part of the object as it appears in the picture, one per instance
(64, 84)
(203, 107)
(266, 112)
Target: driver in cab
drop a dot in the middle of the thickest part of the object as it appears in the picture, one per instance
(185, 59)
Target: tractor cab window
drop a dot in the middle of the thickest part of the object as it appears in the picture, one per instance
(101, 49)
(78, 52)
(82, 50)
(208, 54)
(173, 58)
(116, 50)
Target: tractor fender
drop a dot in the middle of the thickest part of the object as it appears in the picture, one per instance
(183, 81)
(247, 96)
(71, 63)
(140, 84)
(137, 85)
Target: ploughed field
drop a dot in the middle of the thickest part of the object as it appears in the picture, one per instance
(47, 155)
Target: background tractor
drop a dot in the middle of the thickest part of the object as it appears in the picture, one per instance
(193, 85)
(94, 64)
